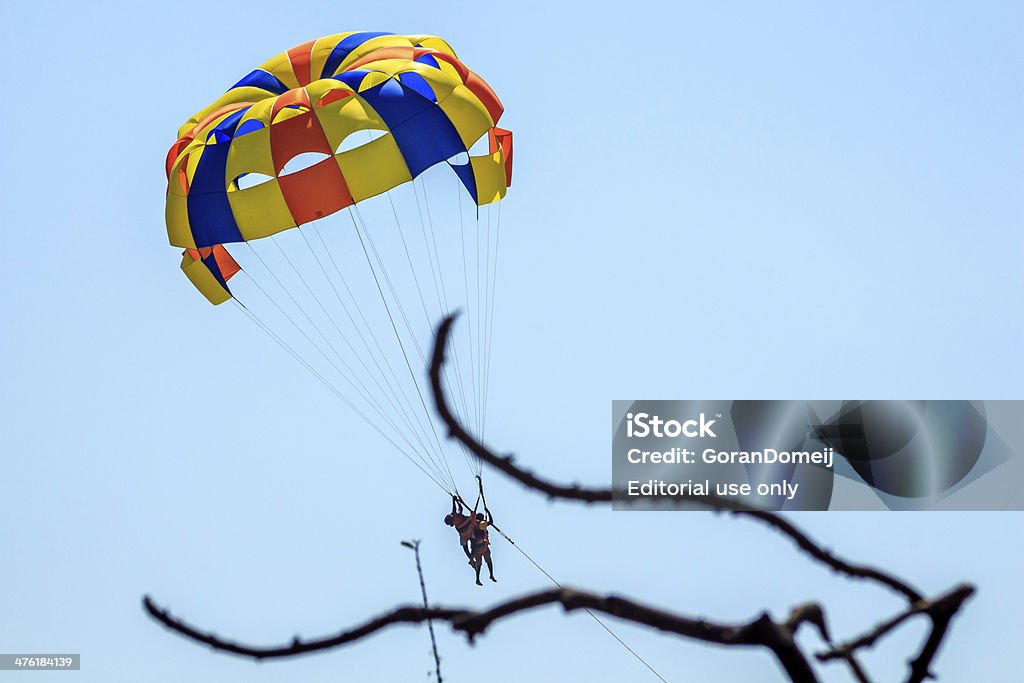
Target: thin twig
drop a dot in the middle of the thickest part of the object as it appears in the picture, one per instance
(415, 546)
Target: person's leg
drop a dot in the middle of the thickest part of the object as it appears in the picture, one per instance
(477, 564)
(490, 567)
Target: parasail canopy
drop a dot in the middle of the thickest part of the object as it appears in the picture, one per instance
(315, 98)
(327, 126)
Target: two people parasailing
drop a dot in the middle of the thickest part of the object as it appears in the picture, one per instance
(474, 536)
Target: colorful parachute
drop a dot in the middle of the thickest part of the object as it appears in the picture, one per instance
(366, 113)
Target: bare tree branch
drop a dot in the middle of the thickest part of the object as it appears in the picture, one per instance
(940, 610)
(811, 613)
(856, 669)
(761, 631)
(592, 495)
(826, 557)
(401, 615)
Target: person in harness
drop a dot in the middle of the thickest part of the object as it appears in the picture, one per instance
(480, 543)
(464, 524)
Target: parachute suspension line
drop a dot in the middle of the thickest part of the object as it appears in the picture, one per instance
(394, 327)
(472, 462)
(419, 291)
(482, 249)
(309, 339)
(469, 299)
(401, 413)
(490, 322)
(364, 392)
(407, 407)
(485, 357)
(405, 318)
(445, 308)
(357, 384)
(408, 258)
(479, 309)
(484, 278)
(426, 457)
(423, 303)
(429, 322)
(588, 611)
(391, 287)
(334, 390)
(362, 316)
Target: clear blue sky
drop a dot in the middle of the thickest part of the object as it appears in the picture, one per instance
(737, 202)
